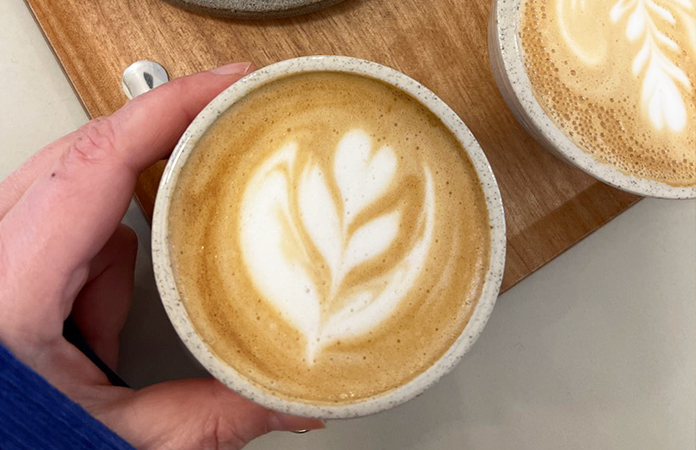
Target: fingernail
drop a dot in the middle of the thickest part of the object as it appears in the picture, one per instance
(286, 422)
(240, 68)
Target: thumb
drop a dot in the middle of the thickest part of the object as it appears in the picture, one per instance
(196, 414)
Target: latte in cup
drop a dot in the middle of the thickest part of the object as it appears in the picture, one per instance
(619, 77)
(609, 85)
(329, 238)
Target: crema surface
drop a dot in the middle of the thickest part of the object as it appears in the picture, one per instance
(329, 237)
(619, 78)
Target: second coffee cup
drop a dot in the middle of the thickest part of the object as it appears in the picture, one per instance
(610, 86)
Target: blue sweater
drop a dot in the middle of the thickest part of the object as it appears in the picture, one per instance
(35, 415)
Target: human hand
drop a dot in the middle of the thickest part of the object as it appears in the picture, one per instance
(63, 252)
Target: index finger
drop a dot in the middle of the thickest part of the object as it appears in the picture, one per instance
(16, 184)
(71, 209)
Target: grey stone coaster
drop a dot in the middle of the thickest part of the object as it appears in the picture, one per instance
(254, 9)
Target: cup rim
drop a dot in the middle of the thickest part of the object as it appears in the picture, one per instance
(509, 50)
(163, 268)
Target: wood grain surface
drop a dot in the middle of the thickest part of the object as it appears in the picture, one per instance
(442, 43)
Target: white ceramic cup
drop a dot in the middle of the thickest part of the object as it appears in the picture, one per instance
(165, 276)
(507, 62)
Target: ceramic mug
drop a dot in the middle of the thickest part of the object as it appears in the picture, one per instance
(162, 258)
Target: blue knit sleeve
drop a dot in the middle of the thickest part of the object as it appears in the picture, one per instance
(35, 415)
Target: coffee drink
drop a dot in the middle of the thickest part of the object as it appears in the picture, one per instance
(619, 78)
(329, 237)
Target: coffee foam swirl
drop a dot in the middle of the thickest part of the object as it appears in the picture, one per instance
(619, 78)
(329, 206)
(302, 226)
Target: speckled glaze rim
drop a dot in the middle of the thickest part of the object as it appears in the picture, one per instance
(507, 63)
(165, 278)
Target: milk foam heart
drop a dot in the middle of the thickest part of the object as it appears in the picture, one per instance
(619, 77)
(280, 223)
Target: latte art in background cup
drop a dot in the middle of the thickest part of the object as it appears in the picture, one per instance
(328, 237)
(609, 85)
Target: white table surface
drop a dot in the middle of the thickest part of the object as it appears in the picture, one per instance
(597, 350)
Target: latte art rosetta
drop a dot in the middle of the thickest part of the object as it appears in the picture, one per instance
(662, 79)
(664, 83)
(282, 227)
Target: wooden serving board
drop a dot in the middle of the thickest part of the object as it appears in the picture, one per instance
(442, 43)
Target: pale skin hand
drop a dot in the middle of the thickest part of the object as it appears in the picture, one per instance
(63, 252)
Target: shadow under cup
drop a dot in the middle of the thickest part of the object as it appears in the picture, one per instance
(163, 261)
(509, 69)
